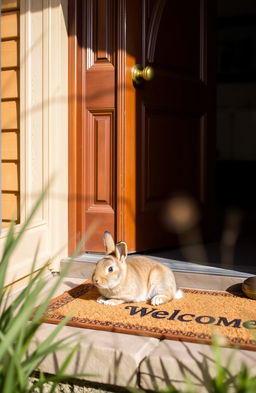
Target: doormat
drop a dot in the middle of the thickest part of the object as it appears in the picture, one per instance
(196, 317)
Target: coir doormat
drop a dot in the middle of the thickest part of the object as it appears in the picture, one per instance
(195, 318)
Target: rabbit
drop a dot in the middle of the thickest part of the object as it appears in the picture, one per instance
(134, 279)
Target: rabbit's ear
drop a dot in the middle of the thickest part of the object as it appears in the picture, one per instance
(109, 243)
(121, 251)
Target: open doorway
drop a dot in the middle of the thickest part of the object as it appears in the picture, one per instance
(234, 245)
(236, 128)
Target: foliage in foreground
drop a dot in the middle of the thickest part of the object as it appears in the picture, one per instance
(223, 380)
(19, 325)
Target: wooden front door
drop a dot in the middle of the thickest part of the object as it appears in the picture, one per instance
(172, 115)
(134, 147)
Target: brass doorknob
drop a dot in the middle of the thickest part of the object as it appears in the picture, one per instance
(139, 73)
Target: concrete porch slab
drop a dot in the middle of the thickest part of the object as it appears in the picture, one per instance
(171, 360)
(109, 358)
(103, 357)
(126, 360)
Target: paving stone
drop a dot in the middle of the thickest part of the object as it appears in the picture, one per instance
(104, 357)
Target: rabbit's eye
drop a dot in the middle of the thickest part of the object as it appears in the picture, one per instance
(110, 269)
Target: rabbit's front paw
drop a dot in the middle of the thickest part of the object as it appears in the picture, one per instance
(159, 299)
(109, 302)
(102, 300)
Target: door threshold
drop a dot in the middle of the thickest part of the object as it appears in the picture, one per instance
(88, 260)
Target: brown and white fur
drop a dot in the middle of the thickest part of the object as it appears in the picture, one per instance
(134, 279)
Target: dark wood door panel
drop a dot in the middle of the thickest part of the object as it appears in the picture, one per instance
(163, 168)
(99, 121)
(99, 175)
(182, 38)
(178, 94)
(100, 88)
(174, 113)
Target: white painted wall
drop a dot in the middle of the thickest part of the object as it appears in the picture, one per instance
(44, 133)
